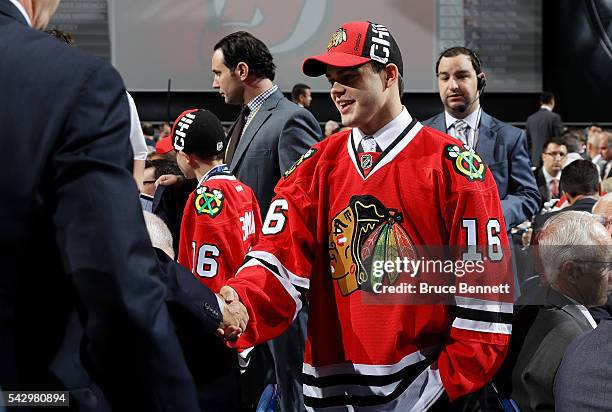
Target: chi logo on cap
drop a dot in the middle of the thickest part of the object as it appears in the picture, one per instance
(337, 38)
(181, 130)
(381, 45)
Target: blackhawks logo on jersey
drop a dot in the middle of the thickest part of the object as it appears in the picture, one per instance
(361, 234)
(305, 156)
(208, 202)
(466, 162)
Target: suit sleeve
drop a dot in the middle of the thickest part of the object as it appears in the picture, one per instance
(278, 267)
(523, 199)
(482, 324)
(558, 125)
(106, 252)
(299, 133)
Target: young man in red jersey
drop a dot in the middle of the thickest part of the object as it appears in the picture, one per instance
(221, 218)
(220, 224)
(383, 188)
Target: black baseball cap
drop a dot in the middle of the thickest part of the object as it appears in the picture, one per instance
(354, 44)
(198, 131)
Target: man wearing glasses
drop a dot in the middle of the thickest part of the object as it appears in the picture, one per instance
(554, 153)
(576, 254)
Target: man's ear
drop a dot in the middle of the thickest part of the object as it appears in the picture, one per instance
(242, 70)
(392, 74)
(569, 272)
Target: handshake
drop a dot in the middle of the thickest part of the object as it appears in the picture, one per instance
(235, 316)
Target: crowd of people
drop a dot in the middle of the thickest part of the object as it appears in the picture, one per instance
(197, 267)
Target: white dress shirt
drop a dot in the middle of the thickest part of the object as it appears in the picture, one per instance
(22, 10)
(471, 120)
(585, 312)
(386, 134)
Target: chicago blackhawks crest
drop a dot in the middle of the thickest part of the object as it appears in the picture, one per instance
(362, 233)
(466, 162)
(208, 202)
(337, 38)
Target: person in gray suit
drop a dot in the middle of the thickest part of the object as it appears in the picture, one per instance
(503, 147)
(270, 134)
(575, 252)
(584, 379)
(542, 125)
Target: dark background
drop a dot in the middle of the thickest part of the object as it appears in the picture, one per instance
(577, 67)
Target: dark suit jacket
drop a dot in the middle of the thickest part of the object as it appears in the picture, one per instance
(276, 137)
(541, 126)
(543, 188)
(584, 379)
(73, 234)
(556, 324)
(582, 205)
(504, 149)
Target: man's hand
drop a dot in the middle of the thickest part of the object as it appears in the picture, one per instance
(235, 316)
(168, 180)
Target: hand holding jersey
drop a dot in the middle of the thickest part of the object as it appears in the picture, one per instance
(330, 216)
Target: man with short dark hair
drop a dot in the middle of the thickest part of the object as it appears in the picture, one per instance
(554, 153)
(580, 184)
(543, 125)
(270, 134)
(461, 82)
(380, 188)
(300, 95)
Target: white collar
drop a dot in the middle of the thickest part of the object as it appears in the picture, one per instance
(548, 177)
(22, 10)
(471, 119)
(546, 107)
(388, 133)
(584, 311)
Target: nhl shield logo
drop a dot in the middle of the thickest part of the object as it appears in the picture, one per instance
(366, 161)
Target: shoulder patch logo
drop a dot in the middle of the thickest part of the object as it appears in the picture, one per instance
(305, 156)
(466, 162)
(208, 202)
(361, 234)
(337, 38)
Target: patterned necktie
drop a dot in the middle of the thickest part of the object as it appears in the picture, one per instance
(461, 131)
(554, 188)
(368, 145)
(236, 133)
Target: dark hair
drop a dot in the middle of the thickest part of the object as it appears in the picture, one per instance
(580, 178)
(458, 51)
(61, 35)
(556, 140)
(546, 97)
(147, 129)
(163, 167)
(299, 90)
(242, 46)
(378, 67)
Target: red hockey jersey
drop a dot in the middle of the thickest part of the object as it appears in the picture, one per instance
(326, 219)
(220, 223)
